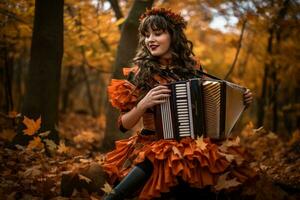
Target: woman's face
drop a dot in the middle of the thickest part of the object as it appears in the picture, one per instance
(158, 43)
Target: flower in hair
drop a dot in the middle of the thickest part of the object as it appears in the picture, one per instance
(174, 18)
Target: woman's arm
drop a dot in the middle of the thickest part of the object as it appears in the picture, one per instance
(153, 97)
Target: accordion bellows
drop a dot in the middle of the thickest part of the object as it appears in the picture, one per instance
(199, 107)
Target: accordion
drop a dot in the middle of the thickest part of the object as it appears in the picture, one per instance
(199, 107)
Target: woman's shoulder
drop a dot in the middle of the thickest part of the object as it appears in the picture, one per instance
(122, 93)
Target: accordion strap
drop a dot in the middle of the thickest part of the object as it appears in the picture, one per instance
(201, 73)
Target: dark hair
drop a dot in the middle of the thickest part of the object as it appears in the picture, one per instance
(181, 50)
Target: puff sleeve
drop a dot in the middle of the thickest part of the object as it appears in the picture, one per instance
(123, 95)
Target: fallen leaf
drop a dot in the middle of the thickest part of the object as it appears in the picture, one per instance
(272, 136)
(62, 148)
(8, 134)
(225, 184)
(229, 157)
(107, 188)
(36, 143)
(45, 134)
(201, 144)
(50, 144)
(33, 171)
(31, 125)
(230, 143)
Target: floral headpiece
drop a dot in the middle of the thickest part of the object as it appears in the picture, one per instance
(174, 18)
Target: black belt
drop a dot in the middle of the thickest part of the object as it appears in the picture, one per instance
(147, 132)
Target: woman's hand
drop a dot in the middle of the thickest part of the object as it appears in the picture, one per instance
(248, 97)
(154, 96)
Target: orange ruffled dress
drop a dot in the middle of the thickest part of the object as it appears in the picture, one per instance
(200, 162)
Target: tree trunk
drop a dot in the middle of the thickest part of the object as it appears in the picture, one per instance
(43, 81)
(125, 53)
(116, 8)
(270, 69)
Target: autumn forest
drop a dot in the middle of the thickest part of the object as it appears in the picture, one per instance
(57, 58)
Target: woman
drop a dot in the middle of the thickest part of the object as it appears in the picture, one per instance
(143, 163)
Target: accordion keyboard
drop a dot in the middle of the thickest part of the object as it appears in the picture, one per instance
(184, 119)
(183, 109)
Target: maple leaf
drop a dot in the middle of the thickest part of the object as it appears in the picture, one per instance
(225, 184)
(176, 151)
(86, 179)
(31, 125)
(201, 144)
(62, 148)
(36, 143)
(107, 188)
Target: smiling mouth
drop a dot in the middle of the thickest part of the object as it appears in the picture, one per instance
(153, 47)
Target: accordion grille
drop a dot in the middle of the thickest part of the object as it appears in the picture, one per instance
(212, 106)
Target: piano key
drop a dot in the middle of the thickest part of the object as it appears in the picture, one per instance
(181, 100)
(183, 116)
(184, 121)
(181, 95)
(183, 124)
(183, 106)
(182, 109)
(181, 103)
(184, 130)
(186, 134)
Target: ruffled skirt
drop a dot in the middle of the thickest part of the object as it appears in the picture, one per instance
(199, 163)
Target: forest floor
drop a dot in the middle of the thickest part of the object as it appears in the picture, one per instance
(73, 167)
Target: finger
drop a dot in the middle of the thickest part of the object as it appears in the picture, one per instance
(156, 102)
(160, 87)
(249, 98)
(248, 94)
(248, 101)
(163, 91)
(161, 96)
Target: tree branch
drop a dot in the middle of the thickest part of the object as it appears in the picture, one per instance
(238, 50)
(14, 16)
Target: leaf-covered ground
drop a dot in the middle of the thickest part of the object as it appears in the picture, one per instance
(73, 167)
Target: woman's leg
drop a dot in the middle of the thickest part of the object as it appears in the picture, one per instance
(136, 178)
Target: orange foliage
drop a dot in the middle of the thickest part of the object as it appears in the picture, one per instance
(31, 125)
